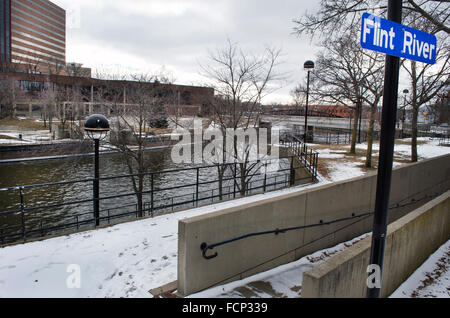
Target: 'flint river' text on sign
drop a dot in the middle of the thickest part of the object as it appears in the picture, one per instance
(381, 35)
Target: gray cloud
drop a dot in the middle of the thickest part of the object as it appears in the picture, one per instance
(180, 33)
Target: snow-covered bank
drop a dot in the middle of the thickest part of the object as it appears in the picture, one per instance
(125, 260)
(340, 165)
(282, 281)
(25, 137)
(129, 259)
(431, 279)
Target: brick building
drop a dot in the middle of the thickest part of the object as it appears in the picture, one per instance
(33, 57)
(86, 95)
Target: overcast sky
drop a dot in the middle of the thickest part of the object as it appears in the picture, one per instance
(176, 35)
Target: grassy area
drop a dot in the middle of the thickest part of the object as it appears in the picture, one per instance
(25, 123)
(323, 167)
(408, 142)
(359, 157)
(159, 131)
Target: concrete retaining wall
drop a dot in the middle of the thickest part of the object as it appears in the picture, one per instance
(411, 185)
(410, 241)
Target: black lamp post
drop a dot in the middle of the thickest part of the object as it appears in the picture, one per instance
(406, 92)
(309, 66)
(96, 128)
(360, 123)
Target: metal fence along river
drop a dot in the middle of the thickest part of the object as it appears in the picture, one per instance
(39, 210)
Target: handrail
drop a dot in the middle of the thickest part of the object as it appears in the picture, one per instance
(24, 222)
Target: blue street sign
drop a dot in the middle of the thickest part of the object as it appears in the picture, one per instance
(381, 35)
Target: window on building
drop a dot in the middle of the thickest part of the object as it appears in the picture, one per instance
(186, 98)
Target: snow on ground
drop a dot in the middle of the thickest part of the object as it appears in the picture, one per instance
(284, 281)
(11, 141)
(431, 279)
(343, 170)
(129, 259)
(280, 126)
(331, 154)
(125, 260)
(342, 166)
(28, 137)
(427, 148)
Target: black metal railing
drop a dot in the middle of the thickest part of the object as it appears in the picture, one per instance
(308, 158)
(426, 130)
(205, 247)
(332, 136)
(29, 215)
(444, 141)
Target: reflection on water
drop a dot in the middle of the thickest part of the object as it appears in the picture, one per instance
(49, 171)
(71, 169)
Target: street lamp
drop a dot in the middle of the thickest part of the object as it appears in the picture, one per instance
(309, 66)
(406, 92)
(96, 128)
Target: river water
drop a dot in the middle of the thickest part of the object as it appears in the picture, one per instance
(79, 168)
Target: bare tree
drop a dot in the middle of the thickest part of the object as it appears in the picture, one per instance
(146, 101)
(7, 98)
(341, 77)
(430, 16)
(374, 84)
(299, 98)
(55, 66)
(48, 100)
(241, 80)
(440, 110)
(328, 21)
(427, 82)
(75, 111)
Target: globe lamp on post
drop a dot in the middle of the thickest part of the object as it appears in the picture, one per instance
(308, 66)
(96, 128)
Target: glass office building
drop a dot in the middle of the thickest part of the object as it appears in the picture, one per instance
(5, 30)
(33, 32)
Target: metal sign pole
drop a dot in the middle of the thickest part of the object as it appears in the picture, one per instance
(386, 154)
(96, 183)
(306, 113)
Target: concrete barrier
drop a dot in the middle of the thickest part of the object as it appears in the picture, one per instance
(410, 241)
(412, 186)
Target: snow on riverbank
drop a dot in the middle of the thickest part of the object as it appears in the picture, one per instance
(431, 279)
(125, 260)
(129, 259)
(28, 137)
(283, 281)
(340, 165)
(426, 148)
